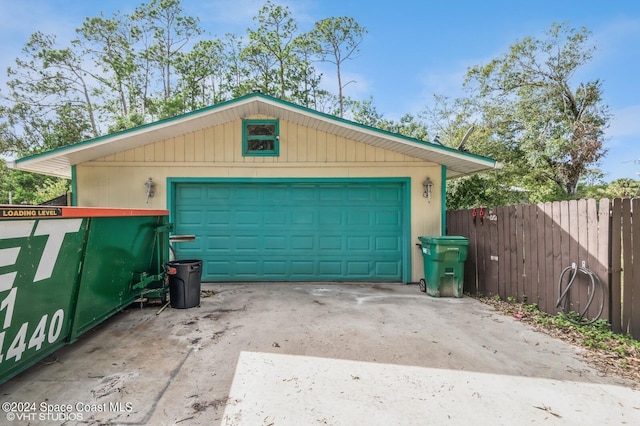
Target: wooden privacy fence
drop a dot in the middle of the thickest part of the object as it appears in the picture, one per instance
(521, 251)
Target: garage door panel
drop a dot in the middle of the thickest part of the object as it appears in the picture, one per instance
(218, 244)
(388, 218)
(388, 268)
(303, 193)
(216, 217)
(217, 194)
(248, 244)
(359, 243)
(275, 243)
(331, 243)
(330, 268)
(359, 217)
(347, 231)
(331, 216)
(328, 194)
(219, 269)
(275, 269)
(303, 216)
(192, 217)
(192, 192)
(271, 218)
(303, 267)
(247, 268)
(247, 218)
(277, 194)
(357, 193)
(246, 193)
(302, 242)
(191, 253)
(359, 268)
(389, 194)
(389, 243)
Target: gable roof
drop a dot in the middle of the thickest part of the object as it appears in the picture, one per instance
(58, 162)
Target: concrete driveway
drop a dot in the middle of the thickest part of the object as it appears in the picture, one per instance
(307, 354)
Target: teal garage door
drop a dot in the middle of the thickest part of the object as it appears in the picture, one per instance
(293, 231)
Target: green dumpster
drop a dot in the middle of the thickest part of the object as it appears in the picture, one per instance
(64, 270)
(444, 259)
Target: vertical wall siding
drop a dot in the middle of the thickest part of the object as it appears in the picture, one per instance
(223, 143)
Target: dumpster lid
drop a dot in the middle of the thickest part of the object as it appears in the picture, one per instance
(450, 240)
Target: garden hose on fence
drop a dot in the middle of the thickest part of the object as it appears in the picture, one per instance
(594, 282)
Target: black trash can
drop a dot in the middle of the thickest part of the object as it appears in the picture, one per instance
(185, 277)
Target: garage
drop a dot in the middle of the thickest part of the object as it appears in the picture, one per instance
(274, 191)
(295, 230)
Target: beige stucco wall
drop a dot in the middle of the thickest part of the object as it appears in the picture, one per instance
(118, 180)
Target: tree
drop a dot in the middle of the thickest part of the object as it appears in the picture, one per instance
(305, 88)
(201, 73)
(111, 44)
(528, 99)
(365, 112)
(337, 40)
(623, 188)
(28, 188)
(454, 123)
(273, 53)
(41, 85)
(166, 33)
(237, 73)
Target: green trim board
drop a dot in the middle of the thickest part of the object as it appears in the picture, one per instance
(74, 186)
(443, 200)
(295, 229)
(260, 138)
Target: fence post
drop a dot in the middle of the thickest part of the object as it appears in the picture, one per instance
(615, 246)
(633, 303)
(601, 249)
(627, 271)
(552, 239)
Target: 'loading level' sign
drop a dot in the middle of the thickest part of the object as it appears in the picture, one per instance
(29, 212)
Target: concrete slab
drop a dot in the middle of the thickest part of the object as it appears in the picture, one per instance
(200, 366)
(295, 390)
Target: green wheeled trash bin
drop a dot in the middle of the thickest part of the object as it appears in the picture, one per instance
(185, 278)
(444, 259)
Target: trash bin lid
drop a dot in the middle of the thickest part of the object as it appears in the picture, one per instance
(445, 240)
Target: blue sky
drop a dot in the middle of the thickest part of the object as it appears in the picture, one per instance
(413, 50)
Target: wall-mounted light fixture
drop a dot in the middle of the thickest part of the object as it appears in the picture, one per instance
(150, 187)
(428, 187)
